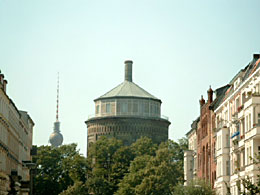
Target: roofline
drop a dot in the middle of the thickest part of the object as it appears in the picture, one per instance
(238, 89)
(125, 97)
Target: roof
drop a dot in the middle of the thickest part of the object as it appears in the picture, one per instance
(128, 89)
(220, 95)
(226, 91)
(194, 125)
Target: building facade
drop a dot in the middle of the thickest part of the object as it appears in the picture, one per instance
(16, 129)
(127, 112)
(238, 129)
(235, 132)
(190, 155)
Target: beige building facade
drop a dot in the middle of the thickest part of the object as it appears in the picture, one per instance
(16, 129)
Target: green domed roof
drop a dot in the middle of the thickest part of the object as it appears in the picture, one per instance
(128, 89)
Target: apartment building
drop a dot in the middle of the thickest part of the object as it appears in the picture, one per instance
(190, 155)
(235, 130)
(16, 128)
(238, 129)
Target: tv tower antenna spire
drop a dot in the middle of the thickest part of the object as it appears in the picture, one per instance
(56, 137)
(57, 109)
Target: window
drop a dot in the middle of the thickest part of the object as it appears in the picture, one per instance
(250, 154)
(243, 126)
(243, 98)
(124, 107)
(249, 157)
(151, 108)
(108, 108)
(237, 104)
(246, 124)
(249, 121)
(226, 115)
(258, 119)
(146, 107)
(135, 107)
(118, 107)
(97, 109)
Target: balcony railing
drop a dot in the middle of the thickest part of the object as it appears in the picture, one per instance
(128, 115)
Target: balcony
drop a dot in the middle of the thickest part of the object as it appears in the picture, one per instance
(253, 133)
(221, 125)
(254, 99)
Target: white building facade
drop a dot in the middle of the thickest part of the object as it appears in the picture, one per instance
(190, 155)
(238, 130)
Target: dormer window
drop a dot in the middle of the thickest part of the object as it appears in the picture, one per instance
(237, 83)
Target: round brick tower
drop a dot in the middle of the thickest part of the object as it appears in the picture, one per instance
(128, 112)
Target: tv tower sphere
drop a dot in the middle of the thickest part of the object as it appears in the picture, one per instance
(56, 137)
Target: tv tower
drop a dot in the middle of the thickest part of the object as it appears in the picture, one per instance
(56, 137)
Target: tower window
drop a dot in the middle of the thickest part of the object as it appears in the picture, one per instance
(135, 107)
(124, 107)
(108, 108)
(97, 109)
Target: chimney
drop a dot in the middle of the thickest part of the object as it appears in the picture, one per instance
(128, 70)
(2, 78)
(202, 101)
(210, 95)
(256, 56)
(4, 85)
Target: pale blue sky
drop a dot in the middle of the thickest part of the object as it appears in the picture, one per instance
(179, 48)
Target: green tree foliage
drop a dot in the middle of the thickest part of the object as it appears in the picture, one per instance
(79, 188)
(58, 168)
(109, 161)
(110, 168)
(101, 160)
(155, 174)
(144, 146)
(198, 187)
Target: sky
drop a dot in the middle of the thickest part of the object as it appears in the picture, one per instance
(179, 48)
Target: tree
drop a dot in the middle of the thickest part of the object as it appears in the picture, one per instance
(110, 160)
(156, 174)
(58, 168)
(79, 188)
(100, 160)
(135, 175)
(197, 187)
(144, 146)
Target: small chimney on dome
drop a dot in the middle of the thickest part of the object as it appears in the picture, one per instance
(128, 70)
